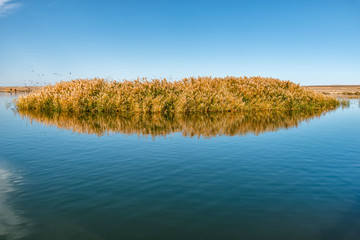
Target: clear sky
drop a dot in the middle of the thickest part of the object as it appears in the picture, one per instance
(305, 41)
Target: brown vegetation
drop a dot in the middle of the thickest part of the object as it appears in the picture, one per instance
(190, 95)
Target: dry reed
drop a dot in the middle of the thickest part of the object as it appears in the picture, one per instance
(190, 95)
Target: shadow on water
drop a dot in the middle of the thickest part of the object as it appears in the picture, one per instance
(199, 125)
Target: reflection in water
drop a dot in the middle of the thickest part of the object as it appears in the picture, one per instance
(12, 225)
(205, 125)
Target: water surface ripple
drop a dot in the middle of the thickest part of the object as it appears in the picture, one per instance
(295, 178)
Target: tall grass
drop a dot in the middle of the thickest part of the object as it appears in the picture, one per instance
(190, 95)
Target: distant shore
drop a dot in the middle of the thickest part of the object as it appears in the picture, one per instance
(19, 89)
(337, 90)
(333, 90)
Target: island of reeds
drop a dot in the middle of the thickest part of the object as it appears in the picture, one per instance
(189, 95)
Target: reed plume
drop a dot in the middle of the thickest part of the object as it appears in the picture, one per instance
(189, 95)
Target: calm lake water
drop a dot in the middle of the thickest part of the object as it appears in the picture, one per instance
(254, 176)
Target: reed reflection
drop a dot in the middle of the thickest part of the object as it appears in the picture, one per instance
(200, 125)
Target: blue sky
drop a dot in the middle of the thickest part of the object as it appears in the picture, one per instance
(308, 42)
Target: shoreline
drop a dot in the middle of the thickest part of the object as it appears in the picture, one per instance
(14, 89)
(348, 91)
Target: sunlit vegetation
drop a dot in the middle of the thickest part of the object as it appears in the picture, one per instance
(190, 95)
(157, 124)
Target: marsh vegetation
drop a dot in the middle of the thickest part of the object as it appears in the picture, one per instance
(190, 95)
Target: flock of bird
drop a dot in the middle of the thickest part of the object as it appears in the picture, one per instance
(40, 81)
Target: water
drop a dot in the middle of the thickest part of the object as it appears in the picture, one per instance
(230, 177)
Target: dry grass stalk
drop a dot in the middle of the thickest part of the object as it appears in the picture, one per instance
(190, 95)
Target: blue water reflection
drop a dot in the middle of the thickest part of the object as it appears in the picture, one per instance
(298, 182)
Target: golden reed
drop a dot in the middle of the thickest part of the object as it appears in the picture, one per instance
(190, 95)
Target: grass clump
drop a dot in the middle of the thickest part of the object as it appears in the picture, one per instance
(190, 95)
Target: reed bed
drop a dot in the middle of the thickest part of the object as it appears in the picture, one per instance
(200, 125)
(190, 95)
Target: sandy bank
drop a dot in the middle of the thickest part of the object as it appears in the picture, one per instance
(337, 90)
(19, 89)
